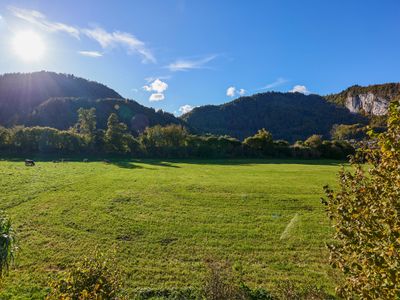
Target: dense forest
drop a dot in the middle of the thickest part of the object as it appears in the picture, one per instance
(171, 141)
(289, 116)
(21, 93)
(51, 99)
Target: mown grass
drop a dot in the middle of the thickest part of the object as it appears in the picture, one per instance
(166, 217)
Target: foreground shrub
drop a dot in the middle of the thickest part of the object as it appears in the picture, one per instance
(7, 244)
(222, 282)
(95, 277)
(365, 215)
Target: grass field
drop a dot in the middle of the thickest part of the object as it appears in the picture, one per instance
(166, 217)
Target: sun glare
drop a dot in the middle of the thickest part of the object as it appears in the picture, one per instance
(28, 45)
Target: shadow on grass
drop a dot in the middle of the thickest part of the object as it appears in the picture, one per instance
(135, 163)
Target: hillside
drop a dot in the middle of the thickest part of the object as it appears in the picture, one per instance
(289, 116)
(136, 116)
(371, 100)
(52, 99)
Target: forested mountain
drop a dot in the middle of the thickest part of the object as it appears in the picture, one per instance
(52, 99)
(370, 100)
(136, 116)
(289, 116)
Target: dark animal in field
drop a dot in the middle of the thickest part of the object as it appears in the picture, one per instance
(106, 161)
(85, 160)
(29, 163)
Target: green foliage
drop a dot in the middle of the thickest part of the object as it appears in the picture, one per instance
(44, 139)
(95, 277)
(115, 136)
(168, 141)
(348, 132)
(260, 143)
(225, 282)
(314, 141)
(86, 124)
(7, 244)
(365, 215)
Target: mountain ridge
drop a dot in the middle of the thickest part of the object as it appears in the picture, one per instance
(52, 99)
(289, 116)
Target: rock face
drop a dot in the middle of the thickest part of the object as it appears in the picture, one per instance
(369, 103)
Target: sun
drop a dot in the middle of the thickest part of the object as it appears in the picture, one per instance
(28, 45)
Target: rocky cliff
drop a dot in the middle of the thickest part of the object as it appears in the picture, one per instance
(369, 103)
(372, 100)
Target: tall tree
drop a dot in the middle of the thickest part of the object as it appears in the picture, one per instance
(87, 123)
(115, 135)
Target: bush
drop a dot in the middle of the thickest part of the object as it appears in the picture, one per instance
(7, 244)
(95, 277)
(365, 213)
(222, 282)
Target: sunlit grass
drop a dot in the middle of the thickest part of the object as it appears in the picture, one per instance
(166, 217)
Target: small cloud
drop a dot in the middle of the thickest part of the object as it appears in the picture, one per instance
(232, 91)
(300, 89)
(276, 83)
(40, 20)
(134, 90)
(185, 65)
(185, 109)
(157, 86)
(94, 54)
(156, 97)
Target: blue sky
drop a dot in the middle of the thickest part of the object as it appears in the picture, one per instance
(176, 54)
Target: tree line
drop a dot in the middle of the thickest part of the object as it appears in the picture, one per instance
(171, 141)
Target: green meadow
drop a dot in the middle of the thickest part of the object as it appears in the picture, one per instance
(166, 217)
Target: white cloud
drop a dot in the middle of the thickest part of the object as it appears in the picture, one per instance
(300, 89)
(106, 39)
(156, 97)
(185, 65)
(231, 91)
(276, 83)
(185, 108)
(37, 18)
(157, 86)
(123, 39)
(94, 54)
